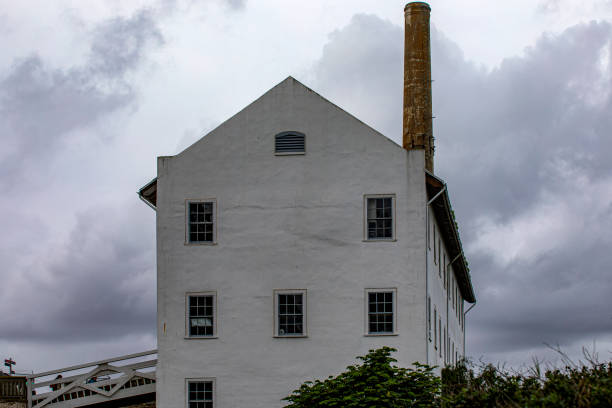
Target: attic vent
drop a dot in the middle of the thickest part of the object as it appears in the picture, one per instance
(290, 143)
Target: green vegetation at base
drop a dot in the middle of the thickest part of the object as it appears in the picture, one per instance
(375, 383)
(378, 383)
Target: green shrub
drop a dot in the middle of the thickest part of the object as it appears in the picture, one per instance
(377, 383)
(374, 384)
(584, 386)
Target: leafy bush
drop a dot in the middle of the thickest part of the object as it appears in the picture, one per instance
(374, 384)
(575, 385)
(377, 383)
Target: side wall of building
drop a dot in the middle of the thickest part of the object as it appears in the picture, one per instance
(286, 222)
(445, 331)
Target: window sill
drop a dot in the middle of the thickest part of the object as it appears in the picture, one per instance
(380, 240)
(200, 243)
(301, 336)
(201, 337)
(290, 154)
(380, 334)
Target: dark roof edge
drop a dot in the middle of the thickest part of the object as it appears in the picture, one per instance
(443, 211)
(148, 193)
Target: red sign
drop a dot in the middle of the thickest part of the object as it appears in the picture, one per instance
(9, 362)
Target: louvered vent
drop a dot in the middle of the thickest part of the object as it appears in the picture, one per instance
(290, 143)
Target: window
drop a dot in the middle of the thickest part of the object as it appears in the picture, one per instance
(380, 311)
(440, 335)
(439, 258)
(289, 143)
(457, 297)
(380, 214)
(200, 393)
(429, 318)
(201, 220)
(435, 328)
(429, 223)
(444, 270)
(435, 248)
(201, 311)
(445, 346)
(290, 315)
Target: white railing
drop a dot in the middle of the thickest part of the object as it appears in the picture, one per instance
(95, 382)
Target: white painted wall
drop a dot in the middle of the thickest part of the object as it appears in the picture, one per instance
(441, 296)
(286, 222)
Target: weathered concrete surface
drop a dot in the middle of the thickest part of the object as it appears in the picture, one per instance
(286, 222)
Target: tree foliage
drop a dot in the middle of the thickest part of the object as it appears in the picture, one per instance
(378, 383)
(576, 386)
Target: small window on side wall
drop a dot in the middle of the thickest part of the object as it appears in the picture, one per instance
(381, 316)
(289, 143)
(201, 315)
(200, 393)
(379, 217)
(290, 313)
(201, 221)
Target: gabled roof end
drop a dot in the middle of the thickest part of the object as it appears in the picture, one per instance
(148, 194)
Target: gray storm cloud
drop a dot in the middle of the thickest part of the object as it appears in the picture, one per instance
(98, 280)
(97, 284)
(40, 105)
(85, 275)
(525, 149)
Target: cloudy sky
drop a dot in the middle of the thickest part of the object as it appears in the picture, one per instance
(91, 92)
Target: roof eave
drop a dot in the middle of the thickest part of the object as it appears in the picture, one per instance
(148, 194)
(442, 210)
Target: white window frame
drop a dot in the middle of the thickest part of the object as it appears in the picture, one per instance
(215, 218)
(435, 322)
(444, 268)
(429, 318)
(440, 335)
(440, 258)
(429, 228)
(366, 316)
(213, 380)
(215, 314)
(302, 292)
(365, 218)
(435, 251)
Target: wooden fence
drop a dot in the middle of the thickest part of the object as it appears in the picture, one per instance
(13, 388)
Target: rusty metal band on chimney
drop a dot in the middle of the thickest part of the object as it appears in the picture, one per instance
(417, 127)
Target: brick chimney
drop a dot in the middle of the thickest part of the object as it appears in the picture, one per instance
(417, 129)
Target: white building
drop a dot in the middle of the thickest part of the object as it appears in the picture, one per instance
(293, 238)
